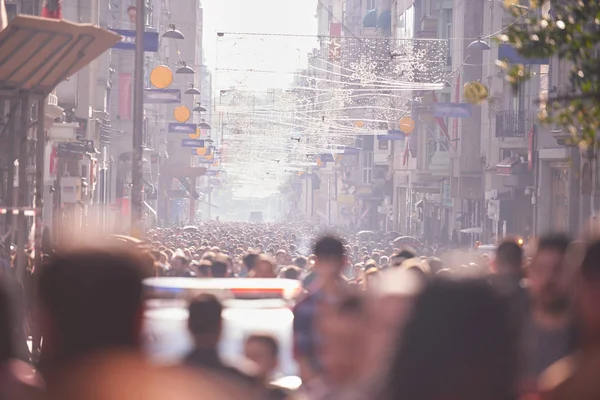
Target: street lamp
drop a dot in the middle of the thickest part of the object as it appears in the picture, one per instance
(184, 69)
(173, 33)
(204, 125)
(478, 45)
(192, 90)
(199, 108)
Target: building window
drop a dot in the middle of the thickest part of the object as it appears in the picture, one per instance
(12, 10)
(149, 14)
(367, 170)
(370, 5)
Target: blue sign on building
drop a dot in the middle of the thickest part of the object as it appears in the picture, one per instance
(177, 127)
(509, 53)
(127, 41)
(192, 143)
(452, 110)
(393, 134)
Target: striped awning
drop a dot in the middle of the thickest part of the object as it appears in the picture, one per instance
(36, 54)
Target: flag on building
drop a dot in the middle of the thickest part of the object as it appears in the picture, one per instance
(52, 9)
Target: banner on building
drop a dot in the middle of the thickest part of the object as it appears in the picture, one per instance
(177, 127)
(125, 88)
(127, 41)
(196, 143)
(162, 96)
(392, 135)
(452, 110)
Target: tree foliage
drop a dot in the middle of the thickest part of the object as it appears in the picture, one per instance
(569, 31)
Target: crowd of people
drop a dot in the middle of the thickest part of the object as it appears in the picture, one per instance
(377, 320)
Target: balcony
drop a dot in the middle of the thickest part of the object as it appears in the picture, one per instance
(510, 124)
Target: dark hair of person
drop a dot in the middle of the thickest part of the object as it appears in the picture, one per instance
(204, 268)
(219, 267)
(267, 340)
(590, 267)
(93, 298)
(557, 242)
(509, 254)
(457, 344)
(290, 272)
(406, 253)
(250, 260)
(329, 247)
(205, 315)
(301, 262)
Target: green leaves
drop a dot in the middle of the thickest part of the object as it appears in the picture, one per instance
(569, 32)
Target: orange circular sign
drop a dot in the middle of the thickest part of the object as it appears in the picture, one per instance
(161, 77)
(407, 125)
(182, 114)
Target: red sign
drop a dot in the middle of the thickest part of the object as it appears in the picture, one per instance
(530, 140)
(53, 161)
(455, 121)
(125, 82)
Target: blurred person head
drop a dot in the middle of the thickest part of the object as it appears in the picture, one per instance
(376, 257)
(344, 340)
(204, 269)
(370, 264)
(280, 257)
(204, 321)
(384, 261)
(265, 267)
(290, 272)
(402, 255)
(476, 330)
(163, 258)
(548, 289)
(179, 260)
(263, 350)
(250, 260)
(220, 267)
(90, 300)
(509, 260)
(330, 258)
(300, 262)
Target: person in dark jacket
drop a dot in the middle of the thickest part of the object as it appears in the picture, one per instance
(205, 324)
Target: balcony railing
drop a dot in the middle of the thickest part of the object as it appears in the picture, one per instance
(510, 124)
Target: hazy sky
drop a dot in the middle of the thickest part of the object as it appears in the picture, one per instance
(283, 54)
